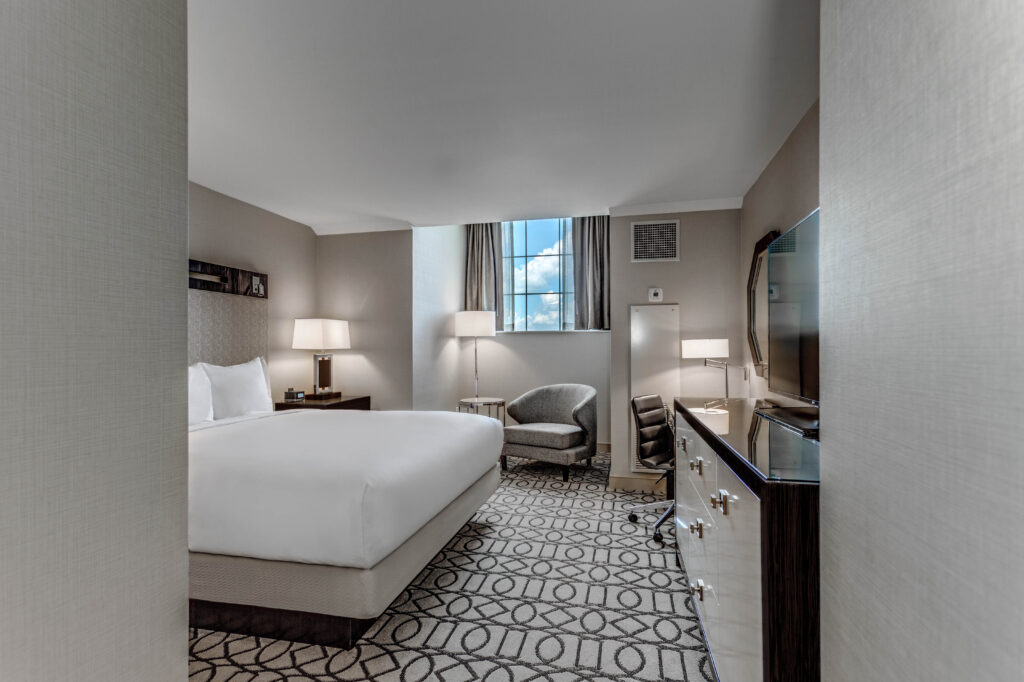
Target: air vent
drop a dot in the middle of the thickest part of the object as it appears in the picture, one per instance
(655, 241)
(784, 244)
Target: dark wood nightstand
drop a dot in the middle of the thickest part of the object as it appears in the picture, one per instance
(347, 402)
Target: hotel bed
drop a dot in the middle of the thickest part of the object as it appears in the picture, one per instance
(306, 524)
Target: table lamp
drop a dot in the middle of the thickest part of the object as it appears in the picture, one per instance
(319, 334)
(709, 349)
(475, 323)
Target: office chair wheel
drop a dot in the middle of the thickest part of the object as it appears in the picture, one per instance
(658, 537)
(633, 518)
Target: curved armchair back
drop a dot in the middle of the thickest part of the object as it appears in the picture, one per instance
(560, 404)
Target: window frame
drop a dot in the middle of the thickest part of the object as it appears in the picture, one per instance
(566, 276)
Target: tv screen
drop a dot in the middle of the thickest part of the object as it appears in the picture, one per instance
(793, 311)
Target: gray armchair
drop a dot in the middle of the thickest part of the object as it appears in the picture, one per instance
(557, 424)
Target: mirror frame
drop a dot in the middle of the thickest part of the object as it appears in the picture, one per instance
(760, 250)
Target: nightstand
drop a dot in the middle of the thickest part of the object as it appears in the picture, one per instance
(347, 402)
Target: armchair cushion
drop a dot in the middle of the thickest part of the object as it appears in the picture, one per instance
(545, 435)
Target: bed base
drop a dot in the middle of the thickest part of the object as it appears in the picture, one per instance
(292, 626)
(287, 600)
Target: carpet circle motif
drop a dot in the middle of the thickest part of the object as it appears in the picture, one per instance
(548, 582)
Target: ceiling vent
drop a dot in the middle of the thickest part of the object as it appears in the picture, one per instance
(655, 241)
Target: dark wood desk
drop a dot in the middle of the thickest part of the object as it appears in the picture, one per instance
(346, 402)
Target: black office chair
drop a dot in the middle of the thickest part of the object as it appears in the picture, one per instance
(656, 449)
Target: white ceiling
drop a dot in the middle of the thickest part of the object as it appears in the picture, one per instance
(375, 114)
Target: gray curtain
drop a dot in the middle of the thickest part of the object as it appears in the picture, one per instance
(590, 272)
(484, 270)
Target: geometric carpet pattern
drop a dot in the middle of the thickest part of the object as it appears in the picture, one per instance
(548, 581)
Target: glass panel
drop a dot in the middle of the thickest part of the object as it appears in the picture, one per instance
(506, 276)
(519, 276)
(567, 235)
(518, 238)
(542, 237)
(519, 314)
(568, 311)
(506, 239)
(508, 313)
(568, 277)
(542, 273)
(542, 312)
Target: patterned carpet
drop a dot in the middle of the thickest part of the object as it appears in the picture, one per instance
(547, 582)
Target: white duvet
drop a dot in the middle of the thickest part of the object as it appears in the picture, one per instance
(336, 487)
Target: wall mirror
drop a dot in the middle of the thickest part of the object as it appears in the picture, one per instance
(757, 304)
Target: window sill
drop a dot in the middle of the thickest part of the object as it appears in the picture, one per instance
(557, 331)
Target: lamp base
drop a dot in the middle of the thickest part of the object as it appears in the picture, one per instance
(323, 373)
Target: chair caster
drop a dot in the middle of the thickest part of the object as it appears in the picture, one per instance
(633, 518)
(658, 537)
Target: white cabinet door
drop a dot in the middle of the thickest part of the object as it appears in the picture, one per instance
(736, 641)
(695, 524)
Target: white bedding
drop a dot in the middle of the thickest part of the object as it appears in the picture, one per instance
(336, 487)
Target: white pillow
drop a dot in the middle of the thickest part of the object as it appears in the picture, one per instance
(200, 396)
(239, 389)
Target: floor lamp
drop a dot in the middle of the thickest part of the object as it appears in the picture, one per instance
(475, 323)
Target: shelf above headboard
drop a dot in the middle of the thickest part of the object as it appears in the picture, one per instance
(227, 280)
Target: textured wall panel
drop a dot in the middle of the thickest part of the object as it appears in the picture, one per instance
(225, 329)
(93, 442)
(922, 359)
(231, 232)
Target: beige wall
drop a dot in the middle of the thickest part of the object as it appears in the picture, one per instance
(367, 279)
(227, 231)
(922, 316)
(785, 193)
(704, 285)
(438, 277)
(93, 460)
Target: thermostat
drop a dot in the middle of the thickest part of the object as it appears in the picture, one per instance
(655, 294)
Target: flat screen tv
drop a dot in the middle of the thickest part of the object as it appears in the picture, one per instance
(793, 311)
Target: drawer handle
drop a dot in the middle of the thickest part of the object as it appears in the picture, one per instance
(724, 500)
(698, 528)
(698, 589)
(697, 464)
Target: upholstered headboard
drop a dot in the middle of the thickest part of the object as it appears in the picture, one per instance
(227, 314)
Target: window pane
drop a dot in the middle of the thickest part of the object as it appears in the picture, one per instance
(518, 238)
(542, 312)
(507, 317)
(542, 237)
(542, 273)
(506, 276)
(568, 277)
(519, 276)
(506, 239)
(519, 318)
(567, 235)
(568, 311)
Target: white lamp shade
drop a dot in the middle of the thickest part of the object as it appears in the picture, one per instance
(705, 348)
(320, 334)
(474, 323)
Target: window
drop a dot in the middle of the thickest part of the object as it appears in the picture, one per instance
(538, 274)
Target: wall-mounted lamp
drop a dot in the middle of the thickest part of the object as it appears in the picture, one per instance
(319, 334)
(475, 323)
(709, 349)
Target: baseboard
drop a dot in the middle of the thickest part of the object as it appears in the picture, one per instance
(636, 483)
(604, 448)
